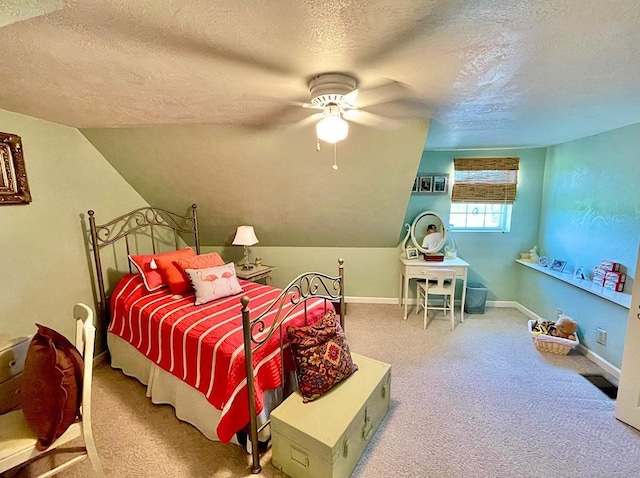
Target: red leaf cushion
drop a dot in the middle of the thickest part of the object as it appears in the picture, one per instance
(174, 273)
(203, 261)
(322, 356)
(147, 265)
(51, 385)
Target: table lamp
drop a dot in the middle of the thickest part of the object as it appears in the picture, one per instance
(245, 236)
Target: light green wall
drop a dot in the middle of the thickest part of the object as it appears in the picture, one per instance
(590, 212)
(43, 255)
(372, 273)
(490, 255)
(587, 211)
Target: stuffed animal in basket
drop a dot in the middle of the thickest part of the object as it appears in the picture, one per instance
(565, 327)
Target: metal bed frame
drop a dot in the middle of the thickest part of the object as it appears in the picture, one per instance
(306, 286)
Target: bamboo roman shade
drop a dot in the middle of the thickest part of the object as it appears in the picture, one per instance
(485, 180)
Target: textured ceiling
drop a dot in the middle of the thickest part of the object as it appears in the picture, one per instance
(194, 100)
(489, 73)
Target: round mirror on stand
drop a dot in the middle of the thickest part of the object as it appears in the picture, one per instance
(428, 232)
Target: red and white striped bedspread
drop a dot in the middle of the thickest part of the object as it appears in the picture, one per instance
(203, 345)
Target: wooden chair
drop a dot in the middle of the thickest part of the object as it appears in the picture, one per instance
(17, 441)
(439, 282)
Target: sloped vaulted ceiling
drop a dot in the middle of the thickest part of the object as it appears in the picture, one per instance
(488, 73)
(273, 179)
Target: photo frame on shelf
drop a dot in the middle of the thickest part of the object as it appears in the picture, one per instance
(558, 265)
(579, 273)
(543, 261)
(416, 185)
(412, 253)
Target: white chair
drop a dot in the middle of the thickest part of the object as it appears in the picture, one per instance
(439, 282)
(17, 441)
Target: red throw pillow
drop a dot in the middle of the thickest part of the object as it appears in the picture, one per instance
(51, 385)
(322, 356)
(175, 274)
(147, 265)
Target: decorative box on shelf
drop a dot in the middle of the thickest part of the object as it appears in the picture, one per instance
(434, 257)
(610, 266)
(608, 275)
(614, 286)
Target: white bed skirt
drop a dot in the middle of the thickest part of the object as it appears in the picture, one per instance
(190, 404)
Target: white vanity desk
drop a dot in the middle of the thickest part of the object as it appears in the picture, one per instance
(417, 269)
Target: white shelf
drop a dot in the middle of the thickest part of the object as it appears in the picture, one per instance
(620, 298)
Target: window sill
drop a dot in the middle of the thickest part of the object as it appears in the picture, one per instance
(621, 298)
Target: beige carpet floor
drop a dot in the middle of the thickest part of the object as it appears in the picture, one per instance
(480, 401)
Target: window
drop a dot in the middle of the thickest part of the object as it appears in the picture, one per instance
(480, 217)
(483, 191)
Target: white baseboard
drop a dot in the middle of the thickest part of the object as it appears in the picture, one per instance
(502, 303)
(529, 313)
(375, 300)
(608, 367)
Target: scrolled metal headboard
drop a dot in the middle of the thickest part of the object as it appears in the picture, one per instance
(137, 221)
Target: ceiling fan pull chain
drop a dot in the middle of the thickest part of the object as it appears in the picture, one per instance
(317, 144)
(335, 156)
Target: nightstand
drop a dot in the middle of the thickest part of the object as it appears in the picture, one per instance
(257, 273)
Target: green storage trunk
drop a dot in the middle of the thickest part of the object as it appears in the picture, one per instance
(326, 438)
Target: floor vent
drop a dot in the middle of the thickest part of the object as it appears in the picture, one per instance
(609, 389)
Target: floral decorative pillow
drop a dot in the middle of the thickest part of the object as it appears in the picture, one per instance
(322, 356)
(173, 271)
(147, 265)
(214, 282)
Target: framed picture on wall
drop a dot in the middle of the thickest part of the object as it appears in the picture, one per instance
(426, 184)
(14, 187)
(440, 184)
(431, 183)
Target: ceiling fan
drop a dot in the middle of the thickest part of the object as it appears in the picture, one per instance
(338, 97)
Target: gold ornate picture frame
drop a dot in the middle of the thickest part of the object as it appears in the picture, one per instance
(14, 187)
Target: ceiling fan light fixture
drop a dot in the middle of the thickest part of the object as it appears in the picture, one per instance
(332, 128)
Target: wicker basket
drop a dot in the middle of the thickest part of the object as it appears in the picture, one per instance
(554, 345)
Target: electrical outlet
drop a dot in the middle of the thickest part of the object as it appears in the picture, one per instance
(601, 337)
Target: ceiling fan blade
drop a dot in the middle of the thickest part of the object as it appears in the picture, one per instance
(307, 121)
(426, 20)
(363, 97)
(371, 119)
(200, 44)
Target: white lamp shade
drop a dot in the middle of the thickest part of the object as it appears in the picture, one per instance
(245, 236)
(332, 129)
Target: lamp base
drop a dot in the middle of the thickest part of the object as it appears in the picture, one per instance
(247, 265)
